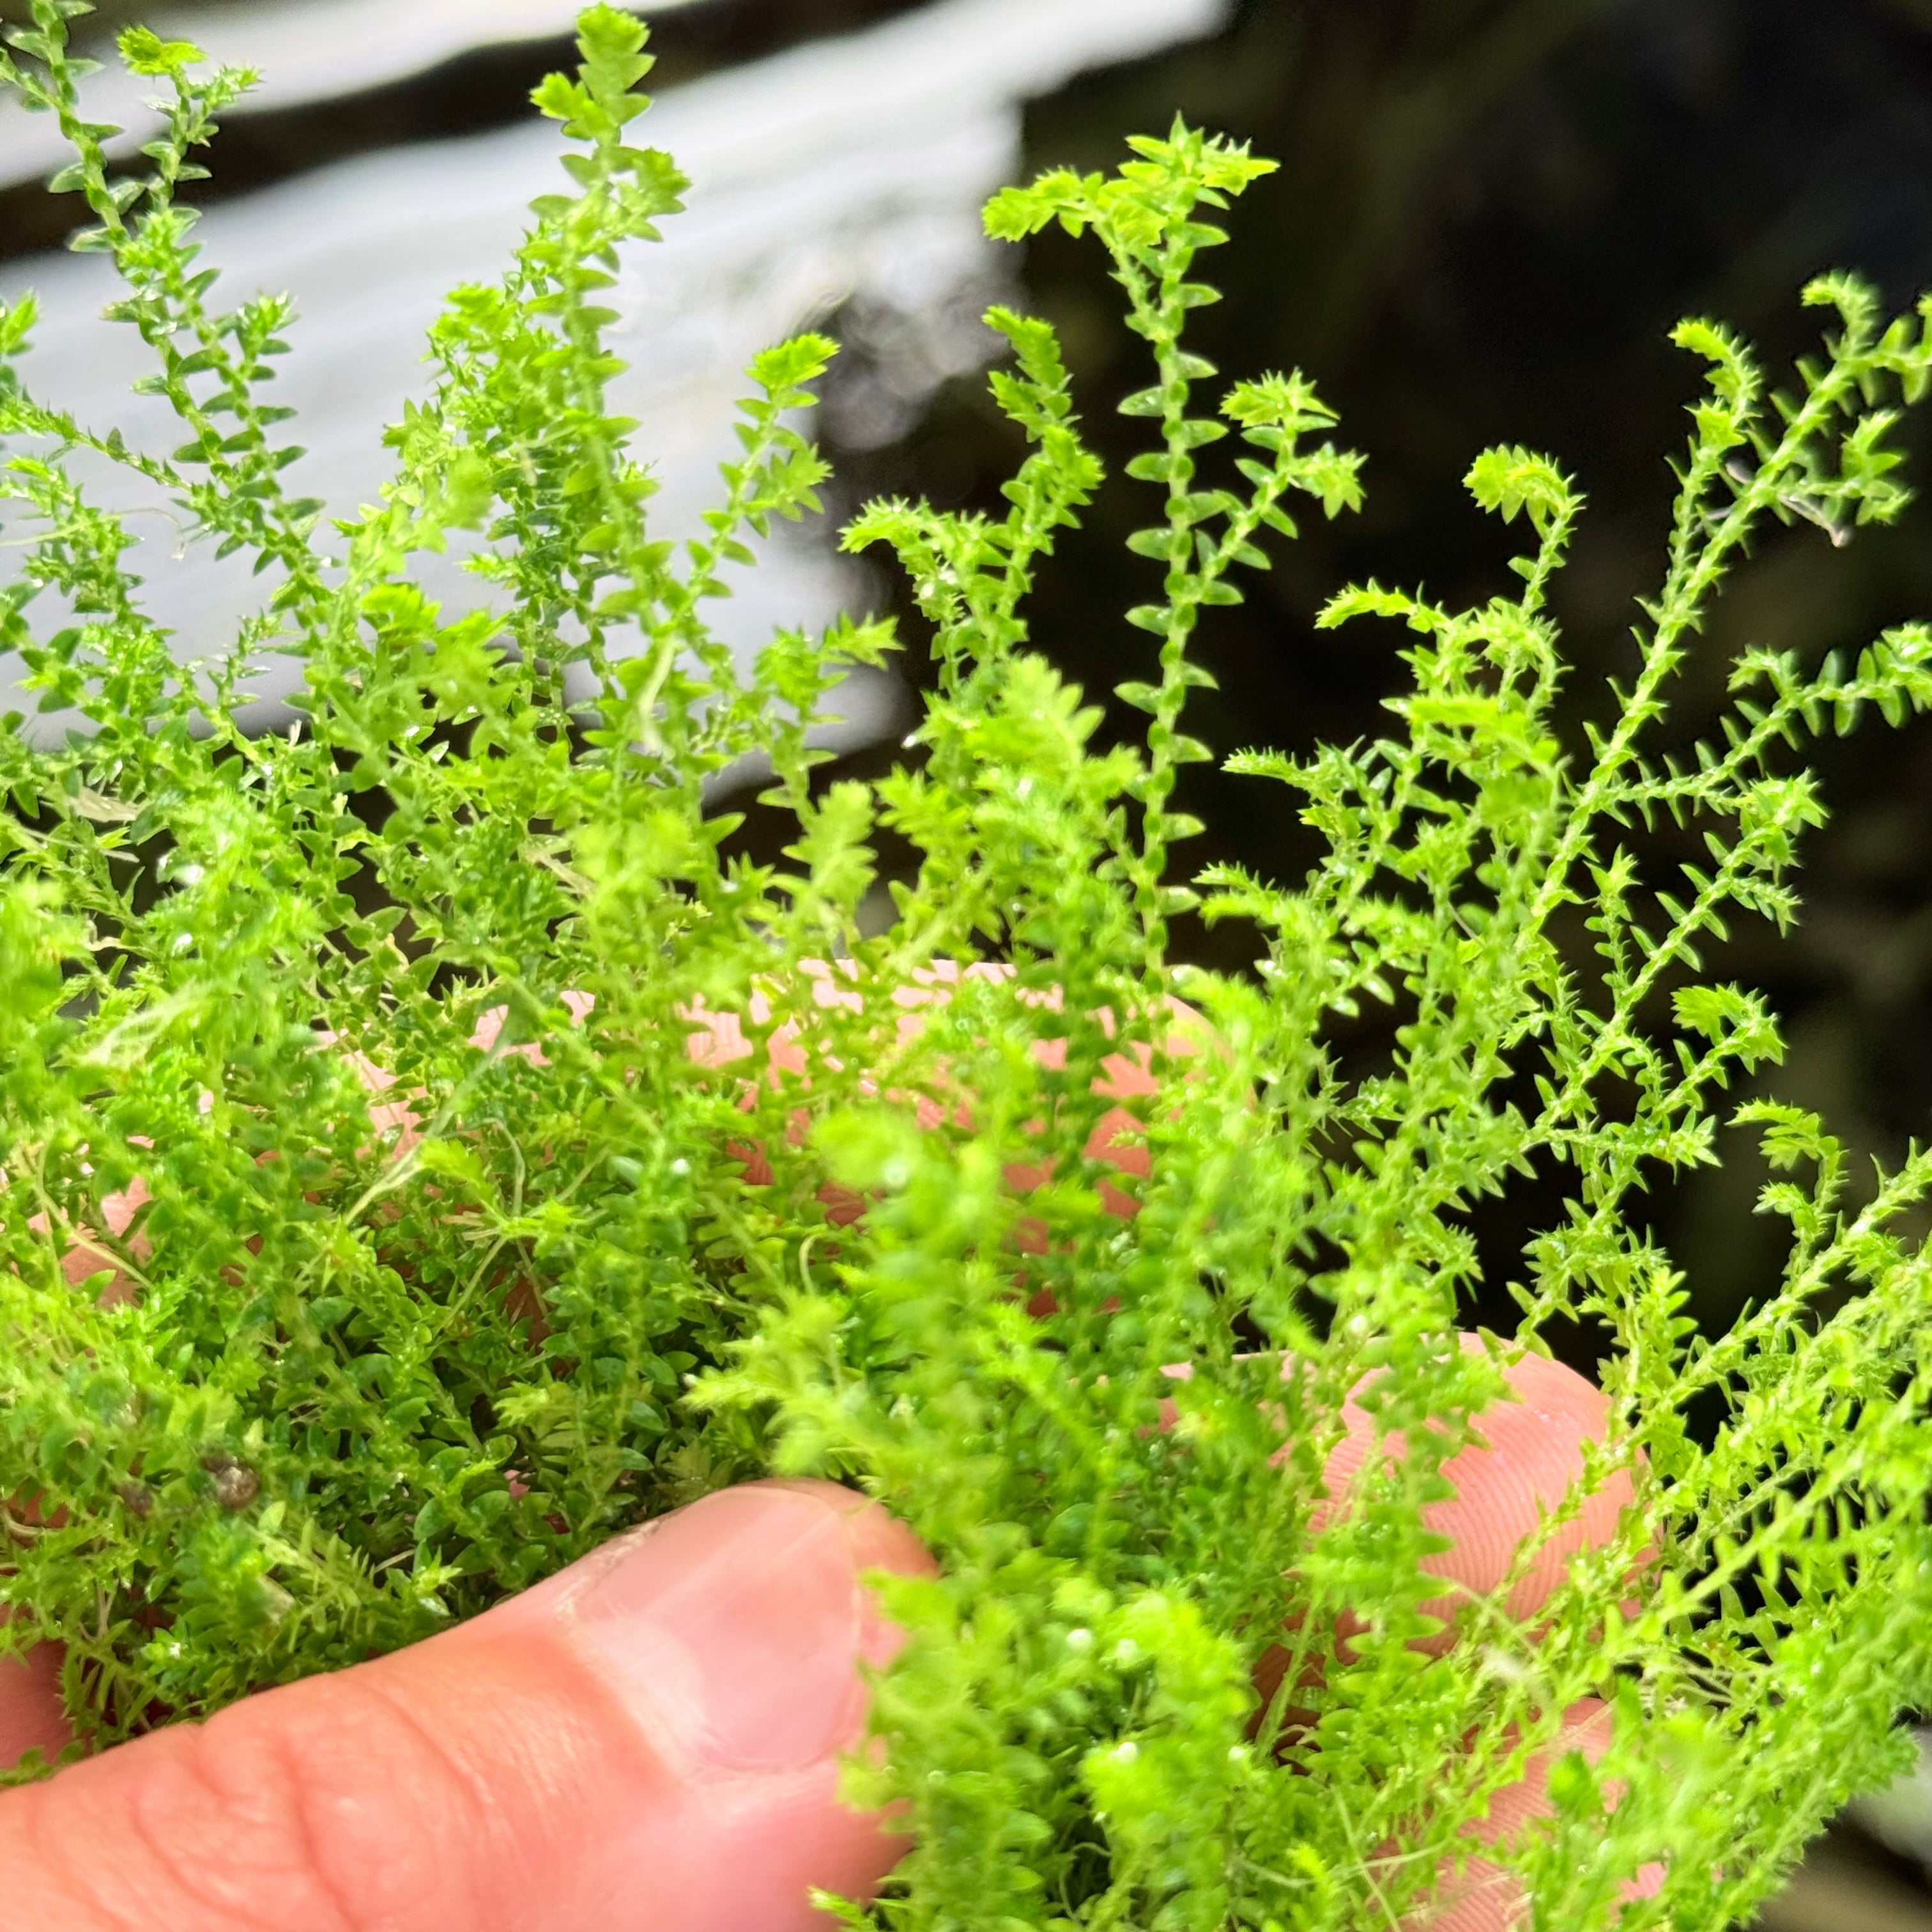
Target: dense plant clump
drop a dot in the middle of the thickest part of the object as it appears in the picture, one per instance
(480, 1153)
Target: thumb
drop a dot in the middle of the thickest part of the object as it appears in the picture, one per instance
(1483, 1897)
(646, 1742)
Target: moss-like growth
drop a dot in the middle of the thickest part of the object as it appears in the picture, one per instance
(379, 1062)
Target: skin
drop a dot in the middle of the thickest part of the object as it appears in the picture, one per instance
(657, 1729)
(648, 1741)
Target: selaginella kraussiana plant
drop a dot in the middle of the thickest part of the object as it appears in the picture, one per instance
(370, 1366)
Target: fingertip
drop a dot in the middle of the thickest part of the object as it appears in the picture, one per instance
(1486, 1897)
(1534, 1459)
(30, 1714)
(733, 1629)
(656, 1735)
(877, 1539)
(1532, 1455)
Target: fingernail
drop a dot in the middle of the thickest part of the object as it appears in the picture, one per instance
(735, 1627)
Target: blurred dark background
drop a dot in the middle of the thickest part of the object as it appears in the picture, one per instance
(1489, 213)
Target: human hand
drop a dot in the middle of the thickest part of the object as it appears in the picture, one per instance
(646, 1742)
(649, 1740)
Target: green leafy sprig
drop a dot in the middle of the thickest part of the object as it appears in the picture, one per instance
(484, 1152)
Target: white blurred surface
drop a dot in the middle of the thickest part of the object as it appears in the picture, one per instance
(306, 51)
(845, 169)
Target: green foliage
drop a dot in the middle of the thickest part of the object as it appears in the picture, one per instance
(451, 1256)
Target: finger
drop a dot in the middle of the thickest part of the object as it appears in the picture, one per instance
(399, 1115)
(717, 1039)
(1534, 1457)
(88, 1258)
(31, 1716)
(1485, 1898)
(650, 1739)
(490, 1026)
